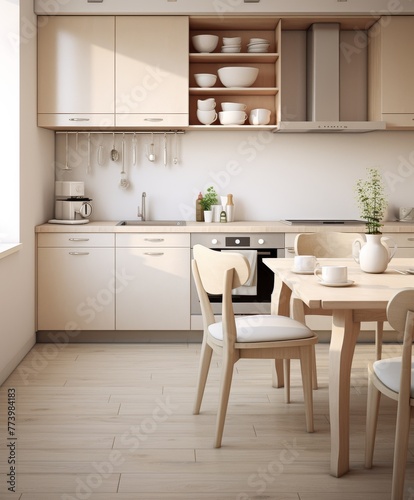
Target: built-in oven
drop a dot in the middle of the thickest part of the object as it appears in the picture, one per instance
(255, 298)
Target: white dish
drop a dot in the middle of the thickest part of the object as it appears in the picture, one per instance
(205, 43)
(74, 222)
(348, 283)
(258, 40)
(298, 271)
(231, 50)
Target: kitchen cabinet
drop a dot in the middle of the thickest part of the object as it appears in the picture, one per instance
(151, 71)
(391, 72)
(106, 71)
(157, 293)
(264, 93)
(75, 281)
(76, 71)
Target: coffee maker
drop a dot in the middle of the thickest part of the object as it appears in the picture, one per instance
(71, 205)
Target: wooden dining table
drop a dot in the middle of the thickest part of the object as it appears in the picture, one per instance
(365, 299)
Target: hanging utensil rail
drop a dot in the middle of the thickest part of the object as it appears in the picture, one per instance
(125, 133)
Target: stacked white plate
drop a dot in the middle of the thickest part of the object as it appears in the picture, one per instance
(231, 45)
(258, 45)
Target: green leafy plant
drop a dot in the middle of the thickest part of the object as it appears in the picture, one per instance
(210, 198)
(371, 200)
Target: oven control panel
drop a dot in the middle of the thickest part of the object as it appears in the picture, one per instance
(243, 240)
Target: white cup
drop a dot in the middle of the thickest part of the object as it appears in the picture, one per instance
(332, 274)
(259, 116)
(304, 263)
(206, 104)
(206, 117)
(233, 106)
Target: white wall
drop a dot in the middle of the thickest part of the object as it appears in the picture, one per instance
(272, 176)
(17, 271)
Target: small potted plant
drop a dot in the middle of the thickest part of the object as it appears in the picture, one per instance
(374, 255)
(206, 202)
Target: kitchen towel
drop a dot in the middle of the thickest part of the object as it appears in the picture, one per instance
(250, 287)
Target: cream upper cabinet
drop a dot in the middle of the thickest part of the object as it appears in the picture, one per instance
(76, 71)
(391, 72)
(151, 71)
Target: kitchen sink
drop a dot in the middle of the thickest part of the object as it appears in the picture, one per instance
(151, 223)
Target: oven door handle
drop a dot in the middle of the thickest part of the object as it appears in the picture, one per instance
(264, 253)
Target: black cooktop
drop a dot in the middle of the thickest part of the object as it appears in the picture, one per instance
(317, 222)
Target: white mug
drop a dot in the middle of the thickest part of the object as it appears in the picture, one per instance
(206, 117)
(260, 116)
(206, 104)
(304, 263)
(332, 274)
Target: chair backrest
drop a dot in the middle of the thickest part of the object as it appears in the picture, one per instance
(218, 273)
(212, 267)
(400, 315)
(326, 244)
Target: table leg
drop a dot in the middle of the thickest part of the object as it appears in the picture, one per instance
(344, 336)
(280, 304)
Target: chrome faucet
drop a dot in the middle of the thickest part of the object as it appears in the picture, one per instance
(141, 214)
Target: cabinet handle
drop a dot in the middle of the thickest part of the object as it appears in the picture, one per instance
(410, 239)
(79, 119)
(290, 249)
(78, 239)
(153, 119)
(153, 253)
(78, 253)
(156, 240)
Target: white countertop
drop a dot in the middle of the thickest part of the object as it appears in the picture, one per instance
(215, 227)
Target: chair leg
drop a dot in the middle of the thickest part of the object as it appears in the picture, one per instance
(306, 370)
(400, 451)
(205, 360)
(379, 333)
(373, 401)
(286, 376)
(225, 385)
(277, 374)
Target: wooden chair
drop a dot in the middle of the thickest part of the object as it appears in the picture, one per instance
(394, 378)
(260, 336)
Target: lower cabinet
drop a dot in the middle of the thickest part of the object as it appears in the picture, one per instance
(153, 281)
(75, 282)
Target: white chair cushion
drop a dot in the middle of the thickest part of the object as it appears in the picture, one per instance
(264, 328)
(388, 371)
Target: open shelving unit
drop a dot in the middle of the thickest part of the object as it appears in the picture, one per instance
(264, 93)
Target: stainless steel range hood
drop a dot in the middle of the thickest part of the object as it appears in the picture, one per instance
(323, 86)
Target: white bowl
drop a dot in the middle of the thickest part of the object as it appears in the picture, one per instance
(237, 76)
(205, 43)
(232, 117)
(233, 106)
(205, 79)
(229, 50)
(235, 40)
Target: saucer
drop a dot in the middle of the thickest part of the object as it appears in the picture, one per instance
(298, 271)
(348, 283)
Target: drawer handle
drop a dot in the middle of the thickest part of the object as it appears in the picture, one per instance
(153, 253)
(79, 119)
(78, 253)
(410, 239)
(290, 249)
(156, 240)
(78, 239)
(153, 119)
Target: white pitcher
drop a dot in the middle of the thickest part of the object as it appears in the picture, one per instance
(374, 255)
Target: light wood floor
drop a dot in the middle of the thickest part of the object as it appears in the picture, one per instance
(114, 422)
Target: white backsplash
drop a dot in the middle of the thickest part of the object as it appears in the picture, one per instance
(272, 176)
